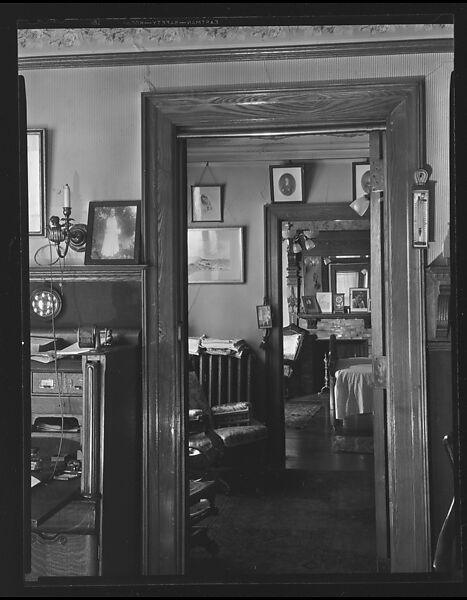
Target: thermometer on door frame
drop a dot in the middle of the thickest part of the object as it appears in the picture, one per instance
(420, 209)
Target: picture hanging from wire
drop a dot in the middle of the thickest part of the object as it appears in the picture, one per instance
(206, 203)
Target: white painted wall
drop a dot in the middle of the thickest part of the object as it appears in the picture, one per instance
(93, 119)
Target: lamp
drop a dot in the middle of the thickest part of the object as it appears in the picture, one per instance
(299, 239)
(61, 230)
(360, 205)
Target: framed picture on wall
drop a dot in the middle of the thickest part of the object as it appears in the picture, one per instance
(113, 233)
(206, 203)
(359, 169)
(264, 316)
(215, 255)
(36, 181)
(287, 183)
(359, 299)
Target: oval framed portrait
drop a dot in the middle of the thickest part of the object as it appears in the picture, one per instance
(287, 183)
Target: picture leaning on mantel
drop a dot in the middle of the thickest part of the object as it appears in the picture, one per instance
(113, 233)
(36, 181)
(215, 255)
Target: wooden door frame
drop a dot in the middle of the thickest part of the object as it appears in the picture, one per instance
(166, 118)
(274, 216)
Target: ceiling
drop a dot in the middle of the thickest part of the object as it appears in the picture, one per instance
(278, 148)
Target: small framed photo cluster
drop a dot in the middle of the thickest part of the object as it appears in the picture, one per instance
(327, 302)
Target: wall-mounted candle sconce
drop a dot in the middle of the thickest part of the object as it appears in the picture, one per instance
(62, 231)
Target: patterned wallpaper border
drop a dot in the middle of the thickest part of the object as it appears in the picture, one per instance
(163, 37)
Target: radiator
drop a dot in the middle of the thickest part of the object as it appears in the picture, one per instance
(225, 379)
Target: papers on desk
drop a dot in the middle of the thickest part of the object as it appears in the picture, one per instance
(43, 357)
(49, 356)
(73, 349)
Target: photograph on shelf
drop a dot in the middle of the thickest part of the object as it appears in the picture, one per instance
(310, 305)
(287, 183)
(359, 299)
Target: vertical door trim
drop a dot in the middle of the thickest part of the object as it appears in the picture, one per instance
(164, 203)
(407, 419)
(378, 325)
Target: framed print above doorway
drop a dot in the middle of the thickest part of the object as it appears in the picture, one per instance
(287, 183)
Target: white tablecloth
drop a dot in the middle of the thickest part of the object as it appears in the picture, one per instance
(353, 390)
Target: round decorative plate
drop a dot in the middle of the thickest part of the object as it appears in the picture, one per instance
(46, 303)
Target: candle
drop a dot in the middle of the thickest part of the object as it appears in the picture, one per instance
(66, 196)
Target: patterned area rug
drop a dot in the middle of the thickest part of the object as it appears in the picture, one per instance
(299, 413)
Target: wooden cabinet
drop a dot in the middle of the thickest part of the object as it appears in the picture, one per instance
(88, 407)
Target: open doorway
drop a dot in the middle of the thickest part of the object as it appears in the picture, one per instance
(165, 221)
(331, 489)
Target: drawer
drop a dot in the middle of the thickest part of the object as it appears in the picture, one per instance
(46, 383)
(72, 406)
(63, 555)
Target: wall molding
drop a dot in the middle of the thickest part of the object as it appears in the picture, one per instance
(88, 273)
(253, 53)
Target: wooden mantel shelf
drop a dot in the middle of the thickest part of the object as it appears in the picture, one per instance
(88, 273)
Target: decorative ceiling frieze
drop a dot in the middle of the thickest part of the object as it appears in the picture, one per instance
(145, 39)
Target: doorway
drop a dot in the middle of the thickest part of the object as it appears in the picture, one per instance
(255, 508)
(164, 131)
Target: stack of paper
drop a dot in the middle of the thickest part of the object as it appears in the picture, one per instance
(226, 347)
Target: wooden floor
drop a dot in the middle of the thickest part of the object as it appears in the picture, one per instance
(331, 528)
(311, 448)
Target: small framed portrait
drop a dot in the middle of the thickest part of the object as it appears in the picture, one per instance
(360, 179)
(206, 203)
(113, 233)
(359, 299)
(287, 183)
(338, 301)
(310, 305)
(264, 316)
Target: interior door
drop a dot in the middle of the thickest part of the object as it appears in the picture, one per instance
(377, 291)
